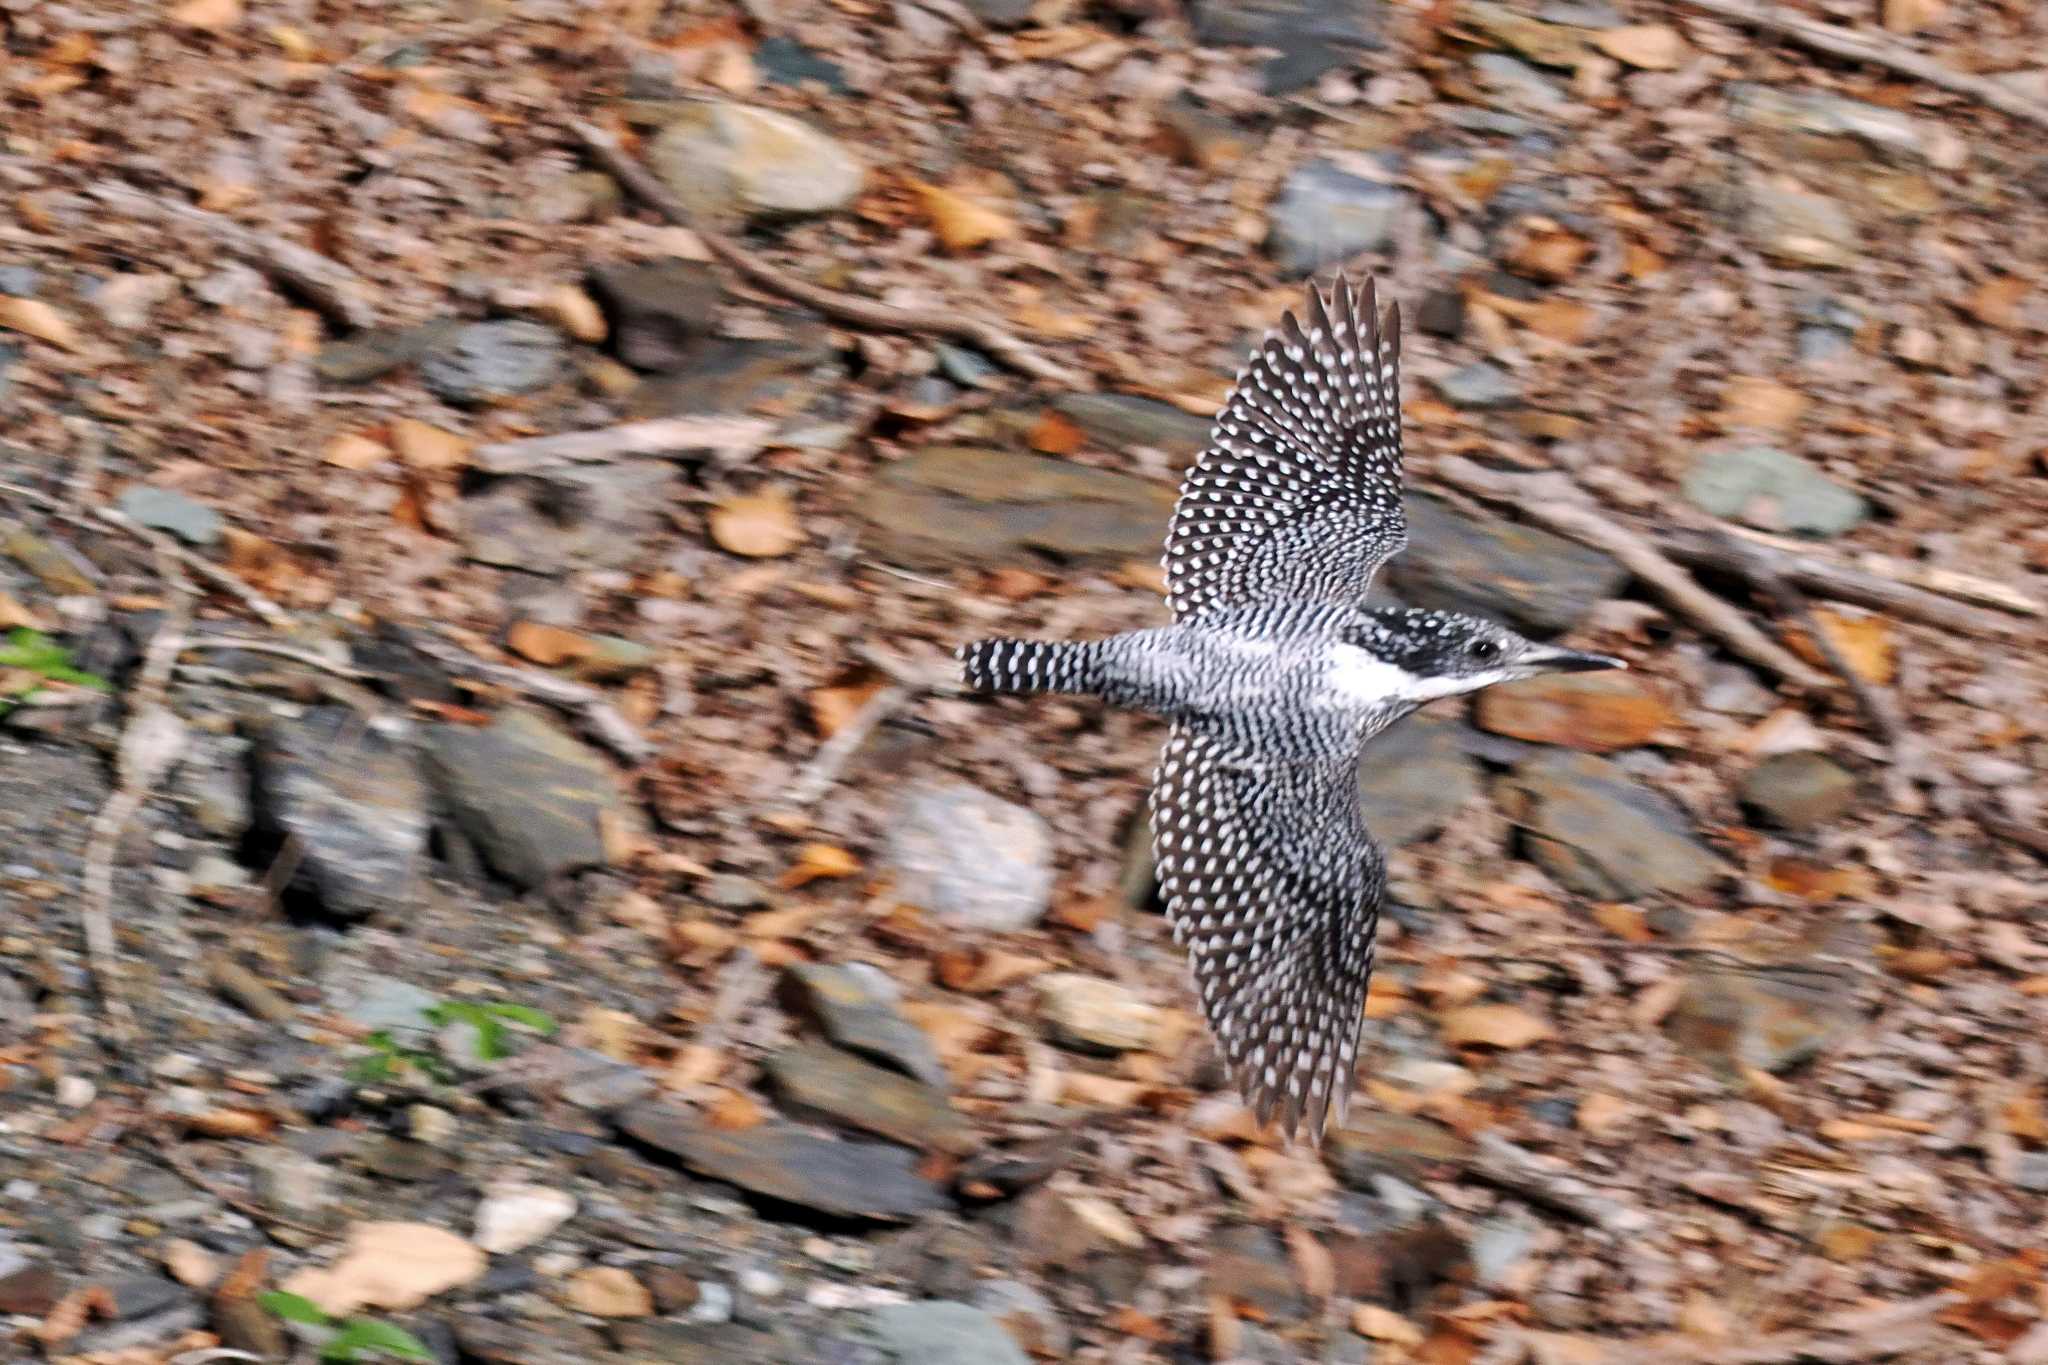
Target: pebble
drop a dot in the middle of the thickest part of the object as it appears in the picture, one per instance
(1481, 386)
(1324, 215)
(356, 812)
(970, 859)
(1773, 491)
(164, 509)
(723, 159)
(514, 1215)
(532, 798)
(607, 1292)
(75, 1092)
(486, 362)
(714, 1302)
(940, 1332)
(1801, 790)
(1097, 1014)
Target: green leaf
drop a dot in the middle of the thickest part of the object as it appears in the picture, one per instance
(358, 1335)
(370, 1070)
(293, 1308)
(540, 1021)
(490, 1034)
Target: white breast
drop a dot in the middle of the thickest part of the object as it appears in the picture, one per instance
(1355, 678)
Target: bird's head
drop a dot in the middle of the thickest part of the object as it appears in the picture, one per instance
(1443, 654)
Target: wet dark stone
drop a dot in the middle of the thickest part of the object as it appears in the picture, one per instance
(354, 806)
(1538, 582)
(660, 312)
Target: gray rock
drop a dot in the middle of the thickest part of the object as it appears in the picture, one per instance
(1119, 421)
(1601, 834)
(1441, 313)
(486, 362)
(723, 159)
(737, 374)
(1822, 345)
(162, 509)
(1536, 581)
(1481, 386)
(1002, 13)
(1773, 491)
(659, 311)
(969, 858)
(383, 1003)
(1414, 777)
(941, 1332)
(290, 1183)
(601, 1084)
(781, 1162)
(1772, 1017)
(354, 805)
(532, 798)
(1889, 133)
(2030, 1172)
(594, 517)
(784, 61)
(816, 1080)
(1517, 85)
(856, 1009)
(1497, 1247)
(1312, 36)
(1581, 14)
(220, 797)
(375, 353)
(952, 505)
(1799, 790)
(1325, 216)
(1027, 1315)
(20, 281)
(1798, 227)
(9, 357)
(574, 197)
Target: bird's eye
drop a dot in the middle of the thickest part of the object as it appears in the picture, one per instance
(1482, 649)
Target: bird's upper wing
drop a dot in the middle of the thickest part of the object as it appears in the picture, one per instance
(1272, 882)
(1299, 492)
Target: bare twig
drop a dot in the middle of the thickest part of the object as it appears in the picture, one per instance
(1501, 1163)
(150, 745)
(1914, 597)
(823, 770)
(663, 436)
(600, 719)
(327, 284)
(1858, 46)
(1552, 501)
(959, 326)
(297, 656)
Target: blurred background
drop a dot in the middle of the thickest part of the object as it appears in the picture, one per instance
(495, 866)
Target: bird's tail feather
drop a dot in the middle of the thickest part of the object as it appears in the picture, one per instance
(1030, 666)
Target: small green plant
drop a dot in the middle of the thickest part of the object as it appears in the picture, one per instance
(349, 1339)
(32, 659)
(391, 1058)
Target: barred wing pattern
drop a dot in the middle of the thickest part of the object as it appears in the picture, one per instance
(1299, 492)
(1274, 886)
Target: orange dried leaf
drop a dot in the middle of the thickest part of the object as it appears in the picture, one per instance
(815, 861)
(759, 525)
(1382, 1324)
(833, 707)
(733, 1111)
(35, 318)
(961, 221)
(353, 450)
(1652, 47)
(1753, 401)
(575, 312)
(1996, 302)
(211, 16)
(547, 645)
(428, 447)
(1501, 1026)
(1057, 434)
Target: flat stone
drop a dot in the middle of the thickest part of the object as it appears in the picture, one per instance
(1120, 421)
(953, 505)
(1799, 227)
(855, 1008)
(814, 1079)
(1030, 1318)
(1800, 790)
(377, 352)
(1376, 1143)
(527, 1342)
(2030, 1172)
(723, 159)
(514, 1215)
(487, 362)
(1312, 37)
(1888, 133)
(1773, 491)
(1770, 1016)
(1600, 833)
(532, 798)
(736, 375)
(1248, 1264)
(1515, 84)
(165, 509)
(594, 517)
(1597, 712)
(1413, 777)
(969, 858)
(354, 805)
(941, 1332)
(659, 311)
(699, 1343)
(1325, 216)
(1481, 386)
(1096, 1014)
(783, 1163)
(1538, 582)
(784, 61)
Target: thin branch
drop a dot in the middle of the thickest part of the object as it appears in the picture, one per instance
(823, 769)
(1551, 501)
(599, 717)
(1857, 46)
(327, 284)
(1500, 1162)
(731, 437)
(958, 326)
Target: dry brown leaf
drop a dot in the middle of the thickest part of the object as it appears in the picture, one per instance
(13, 614)
(1623, 921)
(35, 318)
(759, 525)
(547, 645)
(962, 221)
(1057, 434)
(390, 1265)
(694, 1065)
(735, 1110)
(1602, 1114)
(833, 707)
(1813, 882)
(261, 563)
(1049, 322)
(1753, 401)
(248, 1275)
(353, 450)
(1383, 1324)
(212, 16)
(428, 447)
(1100, 1092)
(1548, 251)
(1564, 320)
(1315, 1269)
(1639, 261)
(575, 312)
(1911, 16)
(68, 1316)
(1502, 1026)
(1996, 302)
(1652, 47)
(976, 971)
(817, 861)
(1845, 1241)
(1864, 642)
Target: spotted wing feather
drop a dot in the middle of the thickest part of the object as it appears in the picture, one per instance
(1274, 886)
(1299, 492)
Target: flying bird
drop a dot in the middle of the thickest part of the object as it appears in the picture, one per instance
(1273, 676)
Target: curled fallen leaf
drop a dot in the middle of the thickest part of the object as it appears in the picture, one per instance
(353, 450)
(1501, 1026)
(546, 645)
(962, 221)
(818, 861)
(759, 525)
(428, 447)
(1651, 47)
(35, 318)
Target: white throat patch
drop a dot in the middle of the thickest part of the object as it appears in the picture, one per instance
(1357, 678)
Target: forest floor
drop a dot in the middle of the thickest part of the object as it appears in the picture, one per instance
(584, 843)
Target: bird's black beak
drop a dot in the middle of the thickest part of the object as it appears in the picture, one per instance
(1551, 659)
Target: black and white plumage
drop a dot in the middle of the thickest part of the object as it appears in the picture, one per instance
(1273, 676)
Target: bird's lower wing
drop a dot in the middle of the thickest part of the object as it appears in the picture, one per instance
(1272, 882)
